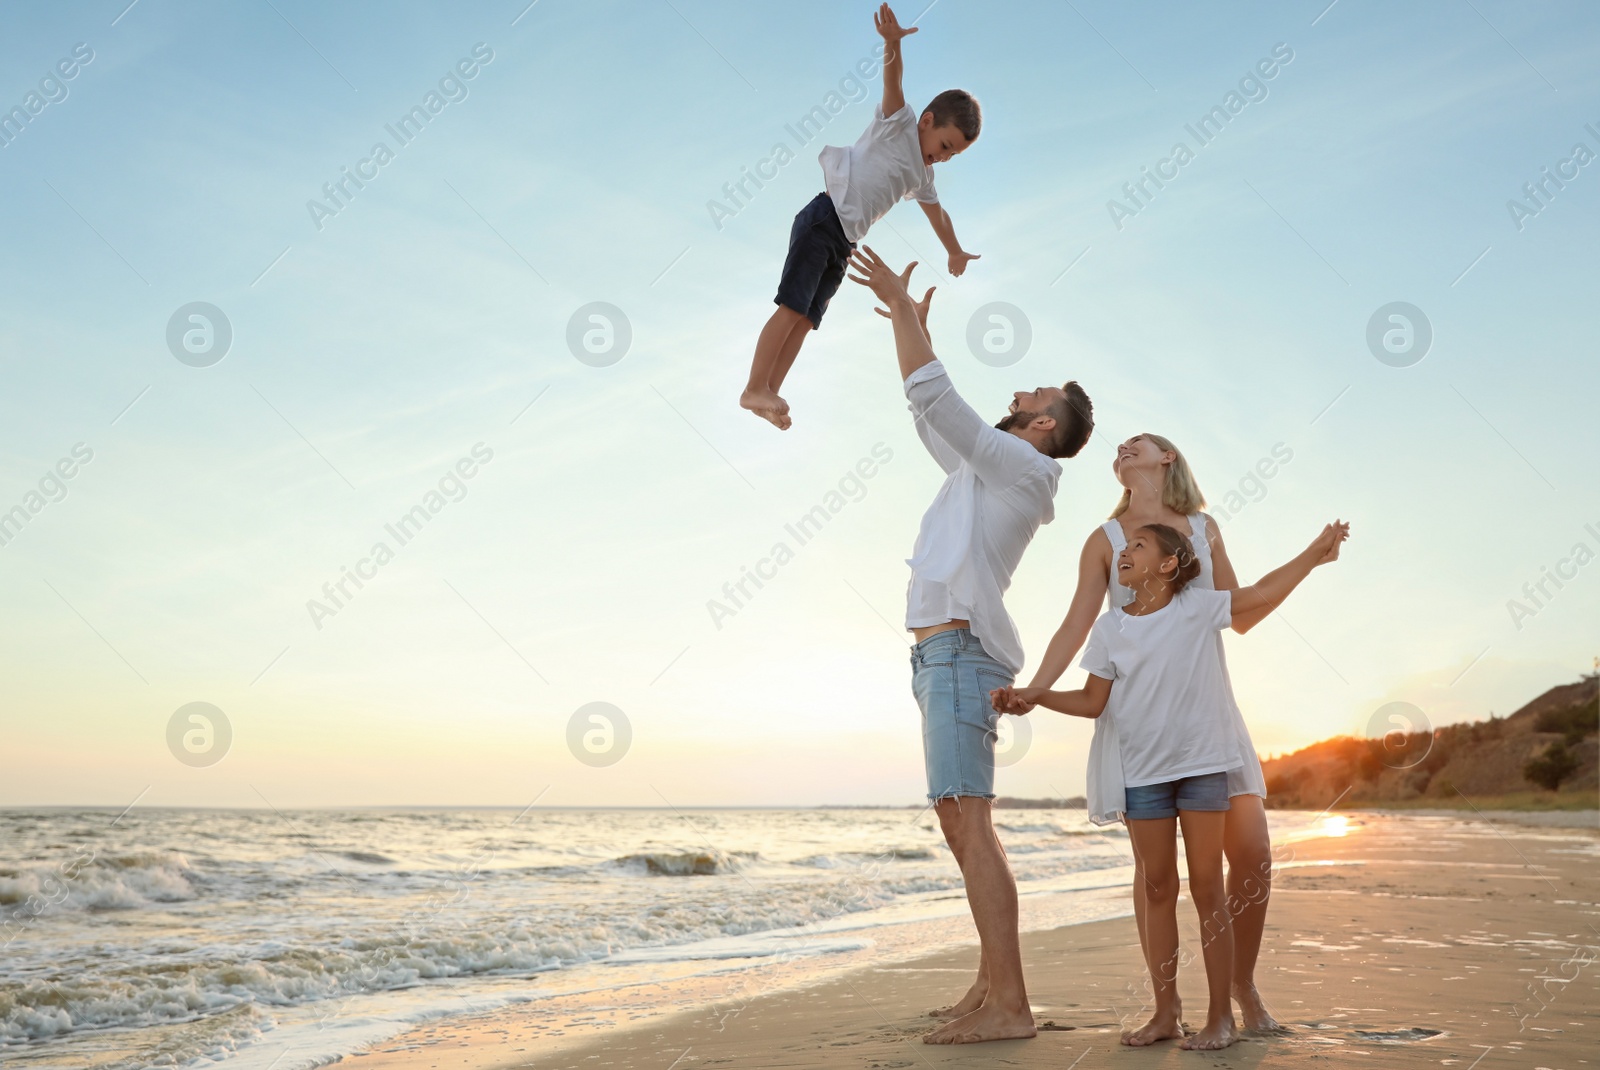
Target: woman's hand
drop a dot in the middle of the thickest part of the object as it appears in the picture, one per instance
(1327, 544)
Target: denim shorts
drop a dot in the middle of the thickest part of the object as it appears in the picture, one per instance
(952, 676)
(818, 253)
(1209, 791)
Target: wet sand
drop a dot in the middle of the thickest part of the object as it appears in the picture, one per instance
(1408, 941)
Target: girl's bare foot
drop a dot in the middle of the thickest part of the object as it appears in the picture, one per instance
(988, 1022)
(1253, 1009)
(967, 1004)
(1163, 1025)
(767, 405)
(1214, 1036)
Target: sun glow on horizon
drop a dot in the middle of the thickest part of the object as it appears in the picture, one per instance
(1335, 825)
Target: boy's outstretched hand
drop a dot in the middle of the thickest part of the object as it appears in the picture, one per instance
(888, 26)
(958, 263)
(879, 277)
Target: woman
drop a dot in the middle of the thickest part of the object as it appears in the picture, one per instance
(1158, 488)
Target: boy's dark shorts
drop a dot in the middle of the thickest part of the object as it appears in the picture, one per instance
(818, 253)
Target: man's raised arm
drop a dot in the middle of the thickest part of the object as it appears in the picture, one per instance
(933, 399)
(911, 344)
(947, 458)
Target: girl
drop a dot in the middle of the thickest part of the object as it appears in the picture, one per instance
(1172, 719)
(1159, 487)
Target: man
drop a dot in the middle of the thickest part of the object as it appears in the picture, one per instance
(999, 487)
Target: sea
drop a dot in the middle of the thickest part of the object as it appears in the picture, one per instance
(257, 939)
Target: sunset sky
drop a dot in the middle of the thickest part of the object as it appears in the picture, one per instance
(426, 323)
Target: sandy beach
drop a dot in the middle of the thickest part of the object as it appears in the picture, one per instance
(1393, 941)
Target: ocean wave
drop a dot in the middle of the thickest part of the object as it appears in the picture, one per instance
(422, 900)
(369, 857)
(93, 882)
(100, 988)
(218, 980)
(670, 863)
(210, 1039)
(180, 993)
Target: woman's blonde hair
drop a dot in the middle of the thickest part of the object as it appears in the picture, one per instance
(1179, 492)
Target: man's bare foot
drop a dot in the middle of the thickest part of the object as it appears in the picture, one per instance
(1163, 1025)
(1257, 1019)
(1214, 1036)
(988, 1022)
(767, 405)
(967, 1004)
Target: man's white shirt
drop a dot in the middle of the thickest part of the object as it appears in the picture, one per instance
(998, 489)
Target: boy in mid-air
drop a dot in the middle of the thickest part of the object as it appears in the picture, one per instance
(892, 161)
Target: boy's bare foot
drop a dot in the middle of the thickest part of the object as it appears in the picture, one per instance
(988, 1022)
(1214, 1036)
(756, 400)
(767, 405)
(1163, 1025)
(1253, 1009)
(967, 1004)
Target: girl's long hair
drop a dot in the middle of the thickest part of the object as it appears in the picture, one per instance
(1179, 492)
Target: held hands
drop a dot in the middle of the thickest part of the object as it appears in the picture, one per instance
(888, 26)
(1018, 700)
(958, 262)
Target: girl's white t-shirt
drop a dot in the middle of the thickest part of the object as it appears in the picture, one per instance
(1169, 698)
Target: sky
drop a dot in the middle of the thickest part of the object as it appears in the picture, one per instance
(423, 338)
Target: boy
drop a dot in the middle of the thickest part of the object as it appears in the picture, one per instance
(892, 161)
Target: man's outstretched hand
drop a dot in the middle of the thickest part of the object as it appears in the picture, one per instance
(912, 348)
(920, 306)
(880, 278)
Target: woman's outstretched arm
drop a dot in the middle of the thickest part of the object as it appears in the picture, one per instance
(1094, 571)
(1253, 604)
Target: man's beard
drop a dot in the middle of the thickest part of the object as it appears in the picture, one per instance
(1020, 418)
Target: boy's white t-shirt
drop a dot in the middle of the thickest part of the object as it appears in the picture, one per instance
(1169, 696)
(881, 169)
